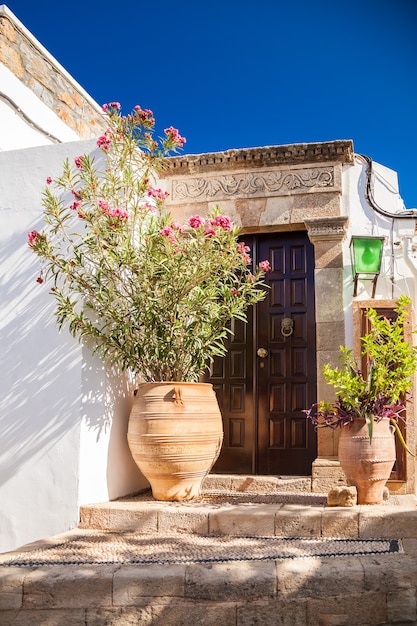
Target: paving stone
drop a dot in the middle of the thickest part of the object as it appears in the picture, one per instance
(244, 520)
(298, 521)
(218, 481)
(48, 617)
(353, 609)
(319, 577)
(340, 522)
(389, 571)
(255, 484)
(410, 546)
(190, 521)
(68, 587)
(401, 605)
(134, 518)
(95, 516)
(374, 522)
(272, 613)
(11, 588)
(137, 616)
(231, 581)
(193, 613)
(134, 583)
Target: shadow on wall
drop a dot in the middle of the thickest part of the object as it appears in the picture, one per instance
(50, 384)
(123, 475)
(40, 369)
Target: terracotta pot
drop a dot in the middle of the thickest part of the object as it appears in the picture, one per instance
(367, 465)
(175, 434)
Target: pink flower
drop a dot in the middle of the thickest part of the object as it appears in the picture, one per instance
(146, 116)
(32, 237)
(104, 206)
(157, 193)
(209, 232)
(244, 249)
(176, 225)
(264, 266)
(103, 142)
(234, 292)
(196, 221)
(78, 162)
(146, 207)
(111, 105)
(173, 134)
(74, 206)
(166, 231)
(48, 180)
(122, 214)
(223, 221)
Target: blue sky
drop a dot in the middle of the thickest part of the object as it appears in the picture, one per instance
(240, 73)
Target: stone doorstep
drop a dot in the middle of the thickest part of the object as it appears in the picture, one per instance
(383, 586)
(258, 484)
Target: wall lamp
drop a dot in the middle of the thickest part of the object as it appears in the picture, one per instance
(366, 257)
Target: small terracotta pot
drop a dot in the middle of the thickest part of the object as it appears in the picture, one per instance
(175, 434)
(367, 465)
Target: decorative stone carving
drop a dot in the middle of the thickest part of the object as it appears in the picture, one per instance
(244, 184)
(326, 229)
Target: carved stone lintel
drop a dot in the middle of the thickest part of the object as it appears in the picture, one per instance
(326, 228)
(254, 184)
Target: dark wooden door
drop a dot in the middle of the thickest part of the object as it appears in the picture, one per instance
(269, 374)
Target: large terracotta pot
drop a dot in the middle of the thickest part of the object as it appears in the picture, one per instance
(175, 434)
(367, 465)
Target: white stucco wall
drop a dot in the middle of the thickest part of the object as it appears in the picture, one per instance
(399, 262)
(23, 128)
(63, 419)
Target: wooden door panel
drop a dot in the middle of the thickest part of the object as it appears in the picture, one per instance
(286, 441)
(234, 389)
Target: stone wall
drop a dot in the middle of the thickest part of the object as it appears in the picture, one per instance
(26, 58)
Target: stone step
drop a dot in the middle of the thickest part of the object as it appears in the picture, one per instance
(254, 506)
(361, 590)
(102, 572)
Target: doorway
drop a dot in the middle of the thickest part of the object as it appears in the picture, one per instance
(269, 373)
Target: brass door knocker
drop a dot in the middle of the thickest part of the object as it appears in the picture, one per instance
(287, 326)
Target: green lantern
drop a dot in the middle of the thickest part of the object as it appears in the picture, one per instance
(366, 257)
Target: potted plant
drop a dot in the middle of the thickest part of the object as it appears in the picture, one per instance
(370, 404)
(152, 295)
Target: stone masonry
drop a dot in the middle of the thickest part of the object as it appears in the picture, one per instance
(31, 64)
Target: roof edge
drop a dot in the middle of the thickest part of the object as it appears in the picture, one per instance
(340, 151)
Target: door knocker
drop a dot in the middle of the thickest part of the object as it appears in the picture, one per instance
(287, 326)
